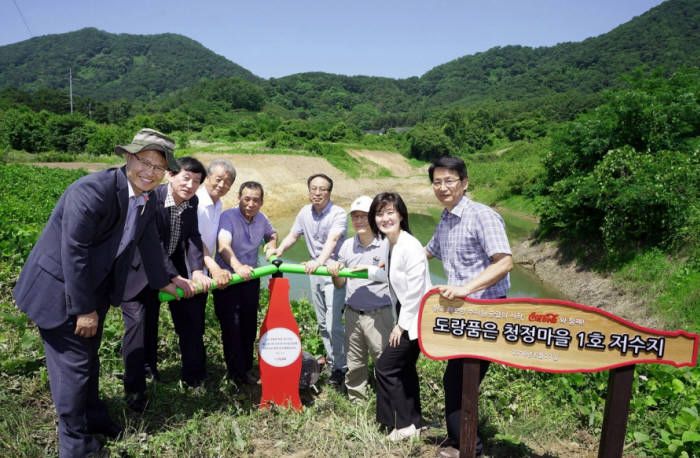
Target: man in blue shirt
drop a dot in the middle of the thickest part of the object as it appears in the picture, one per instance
(241, 230)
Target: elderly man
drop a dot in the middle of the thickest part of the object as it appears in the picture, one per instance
(79, 266)
(241, 231)
(324, 226)
(368, 315)
(176, 219)
(220, 177)
(471, 242)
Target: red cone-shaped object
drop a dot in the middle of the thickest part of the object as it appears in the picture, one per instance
(279, 350)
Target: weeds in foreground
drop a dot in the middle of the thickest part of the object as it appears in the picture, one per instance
(522, 413)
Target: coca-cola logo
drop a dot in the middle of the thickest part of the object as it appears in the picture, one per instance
(543, 317)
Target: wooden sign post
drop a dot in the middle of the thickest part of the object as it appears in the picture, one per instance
(550, 336)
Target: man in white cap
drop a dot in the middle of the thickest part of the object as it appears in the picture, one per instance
(368, 312)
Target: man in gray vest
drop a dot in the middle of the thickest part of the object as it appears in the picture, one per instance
(368, 313)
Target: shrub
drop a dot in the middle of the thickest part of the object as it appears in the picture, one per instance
(625, 175)
(645, 198)
(104, 138)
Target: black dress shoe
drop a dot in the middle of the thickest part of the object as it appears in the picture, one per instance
(111, 431)
(337, 377)
(101, 453)
(245, 379)
(136, 401)
(152, 373)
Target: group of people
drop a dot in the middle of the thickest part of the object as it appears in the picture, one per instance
(119, 236)
(381, 312)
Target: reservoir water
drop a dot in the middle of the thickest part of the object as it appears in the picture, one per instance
(524, 283)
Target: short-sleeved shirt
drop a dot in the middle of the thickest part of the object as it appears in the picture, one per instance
(315, 227)
(362, 294)
(465, 239)
(208, 215)
(245, 236)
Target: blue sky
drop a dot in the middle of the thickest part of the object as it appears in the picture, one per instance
(274, 38)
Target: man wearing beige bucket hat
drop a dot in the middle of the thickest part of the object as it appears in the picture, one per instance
(78, 267)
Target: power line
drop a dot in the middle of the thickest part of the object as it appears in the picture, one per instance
(23, 20)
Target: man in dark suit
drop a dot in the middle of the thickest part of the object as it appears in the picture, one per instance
(79, 266)
(175, 205)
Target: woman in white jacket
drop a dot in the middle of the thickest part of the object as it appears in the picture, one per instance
(398, 389)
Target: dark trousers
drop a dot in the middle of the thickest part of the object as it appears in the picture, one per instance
(134, 314)
(188, 318)
(74, 368)
(236, 308)
(452, 382)
(398, 389)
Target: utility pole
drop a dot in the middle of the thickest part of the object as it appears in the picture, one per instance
(70, 84)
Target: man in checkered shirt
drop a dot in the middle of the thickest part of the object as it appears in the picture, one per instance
(471, 242)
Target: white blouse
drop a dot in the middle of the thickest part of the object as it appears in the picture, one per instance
(408, 277)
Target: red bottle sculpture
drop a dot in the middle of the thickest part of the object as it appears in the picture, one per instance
(279, 350)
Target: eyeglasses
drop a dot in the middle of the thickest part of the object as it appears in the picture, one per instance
(448, 183)
(319, 189)
(150, 165)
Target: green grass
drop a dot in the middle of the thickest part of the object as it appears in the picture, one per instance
(669, 283)
(518, 409)
(504, 170)
(52, 156)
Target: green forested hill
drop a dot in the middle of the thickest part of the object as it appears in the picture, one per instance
(667, 36)
(557, 82)
(108, 66)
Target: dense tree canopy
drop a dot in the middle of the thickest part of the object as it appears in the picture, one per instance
(627, 173)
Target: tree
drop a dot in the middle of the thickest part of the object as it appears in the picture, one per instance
(427, 142)
(22, 129)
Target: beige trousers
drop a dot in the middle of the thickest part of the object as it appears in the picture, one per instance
(365, 333)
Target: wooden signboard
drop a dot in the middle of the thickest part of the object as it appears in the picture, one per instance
(545, 335)
(551, 336)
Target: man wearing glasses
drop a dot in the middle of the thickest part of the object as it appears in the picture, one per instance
(79, 266)
(181, 249)
(471, 242)
(324, 226)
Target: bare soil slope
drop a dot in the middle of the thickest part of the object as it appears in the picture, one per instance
(284, 180)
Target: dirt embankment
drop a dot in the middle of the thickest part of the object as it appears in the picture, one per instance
(581, 284)
(284, 180)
